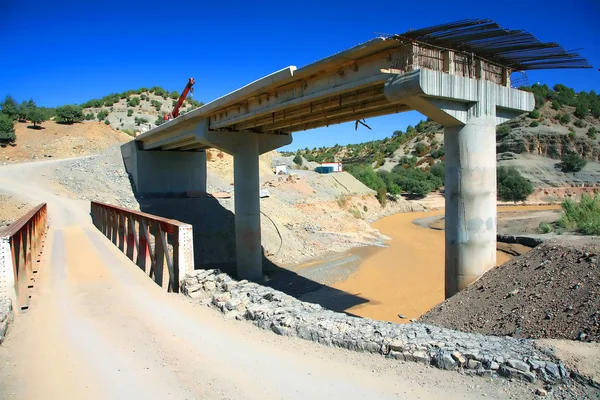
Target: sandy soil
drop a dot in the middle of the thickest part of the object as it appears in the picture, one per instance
(97, 324)
(60, 141)
(581, 357)
(11, 208)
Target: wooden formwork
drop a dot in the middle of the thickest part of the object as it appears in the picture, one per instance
(20, 247)
(149, 241)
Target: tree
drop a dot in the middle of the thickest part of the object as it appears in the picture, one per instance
(134, 101)
(129, 113)
(572, 162)
(102, 114)
(382, 195)
(106, 122)
(159, 120)
(535, 114)
(592, 133)
(512, 186)
(175, 94)
(36, 116)
(298, 159)
(22, 112)
(69, 114)
(421, 148)
(9, 107)
(140, 120)
(555, 105)
(397, 133)
(439, 170)
(89, 116)
(7, 129)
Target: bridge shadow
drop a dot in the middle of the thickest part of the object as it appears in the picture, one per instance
(214, 247)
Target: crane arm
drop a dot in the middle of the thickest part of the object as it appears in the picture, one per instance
(175, 112)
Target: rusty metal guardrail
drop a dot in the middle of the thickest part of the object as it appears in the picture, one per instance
(148, 240)
(20, 245)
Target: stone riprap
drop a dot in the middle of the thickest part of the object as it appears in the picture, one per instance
(6, 316)
(443, 348)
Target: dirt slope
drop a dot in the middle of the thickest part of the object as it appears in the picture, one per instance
(60, 141)
(550, 292)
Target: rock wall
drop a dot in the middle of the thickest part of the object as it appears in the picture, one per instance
(547, 145)
(443, 348)
(6, 316)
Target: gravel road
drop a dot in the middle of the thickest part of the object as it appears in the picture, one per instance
(97, 324)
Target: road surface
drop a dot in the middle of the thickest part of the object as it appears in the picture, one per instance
(98, 328)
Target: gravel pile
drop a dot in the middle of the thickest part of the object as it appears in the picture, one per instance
(551, 292)
(101, 178)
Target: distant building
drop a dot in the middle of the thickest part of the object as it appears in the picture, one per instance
(337, 166)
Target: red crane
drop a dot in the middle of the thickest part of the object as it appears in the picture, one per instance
(175, 112)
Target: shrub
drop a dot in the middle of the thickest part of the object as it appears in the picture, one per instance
(512, 186)
(175, 94)
(565, 118)
(129, 132)
(408, 160)
(129, 113)
(535, 114)
(106, 122)
(89, 116)
(140, 120)
(572, 134)
(437, 153)
(503, 130)
(159, 120)
(572, 162)
(102, 114)
(9, 107)
(143, 97)
(592, 133)
(533, 124)
(439, 170)
(545, 227)
(355, 213)
(298, 159)
(421, 149)
(584, 216)
(579, 123)
(582, 110)
(135, 101)
(382, 195)
(555, 105)
(69, 114)
(595, 109)
(156, 104)
(7, 129)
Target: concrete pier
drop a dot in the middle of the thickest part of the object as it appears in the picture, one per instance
(247, 212)
(470, 190)
(469, 110)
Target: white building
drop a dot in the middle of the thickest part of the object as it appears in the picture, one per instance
(337, 166)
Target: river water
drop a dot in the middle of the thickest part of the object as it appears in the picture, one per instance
(408, 276)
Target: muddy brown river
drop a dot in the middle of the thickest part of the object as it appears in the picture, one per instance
(408, 276)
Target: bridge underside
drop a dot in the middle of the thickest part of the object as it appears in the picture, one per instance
(467, 91)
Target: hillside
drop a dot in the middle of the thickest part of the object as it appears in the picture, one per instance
(534, 143)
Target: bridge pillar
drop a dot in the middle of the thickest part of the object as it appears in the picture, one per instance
(245, 148)
(469, 110)
(247, 212)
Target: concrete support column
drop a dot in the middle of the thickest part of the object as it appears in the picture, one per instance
(470, 152)
(247, 211)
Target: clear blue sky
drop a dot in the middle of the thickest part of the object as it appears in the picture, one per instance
(72, 51)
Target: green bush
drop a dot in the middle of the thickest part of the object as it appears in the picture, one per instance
(410, 161)
(512, 186)
(421, 149)
(565, 118)
(156, 104)
(143, 97)
(533, 124)
(102, 114)
(9, 107)
(89, 116)
(439, 170)
(583, 216)
(382, 195)
(7, 128)
(140, 120)
(129, 113)
(545, 227)
(582, 110)
(69, 114)
(592, 133)
(175, 94)
(134, 101)
(555, 105)
(595, 109)
(580, 124)
(106, 122)
(129, 132)
(437, 153)
(503, 130)
(572, 162)
(298, 159)
(535, 114)
(572, 134)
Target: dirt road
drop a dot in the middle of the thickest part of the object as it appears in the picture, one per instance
(98, 328)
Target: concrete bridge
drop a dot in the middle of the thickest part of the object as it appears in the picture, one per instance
(456, 74)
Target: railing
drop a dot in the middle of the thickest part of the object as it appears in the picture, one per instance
(20, 246)
(148, 240)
